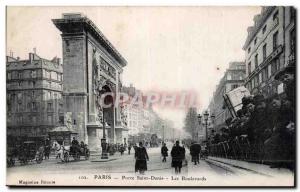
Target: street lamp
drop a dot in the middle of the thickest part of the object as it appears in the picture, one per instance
(206, 114)
(104, 154)
(199, 121)
(212, 116)
(163, 133)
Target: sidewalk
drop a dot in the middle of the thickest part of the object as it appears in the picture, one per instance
(253, 167)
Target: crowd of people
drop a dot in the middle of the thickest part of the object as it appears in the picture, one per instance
(264, 129)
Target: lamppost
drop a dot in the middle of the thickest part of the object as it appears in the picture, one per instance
(199, 121)
(212, 116)
(205, 115)
(163, 133)
(104, 154)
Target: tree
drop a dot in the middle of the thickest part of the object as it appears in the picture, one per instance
(191, 122)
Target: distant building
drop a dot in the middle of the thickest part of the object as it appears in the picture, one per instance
(269, 47)
(233, 78)
(34, 96)
(141, 120)
(133, 113)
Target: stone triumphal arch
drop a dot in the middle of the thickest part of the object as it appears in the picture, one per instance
(91, 67)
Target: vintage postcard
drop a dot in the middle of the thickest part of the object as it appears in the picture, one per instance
(151, 96)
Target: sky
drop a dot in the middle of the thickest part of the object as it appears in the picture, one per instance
(167, 48)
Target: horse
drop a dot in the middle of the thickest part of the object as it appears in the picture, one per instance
(62, 152)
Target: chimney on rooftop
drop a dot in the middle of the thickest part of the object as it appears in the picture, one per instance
(256, 18)
(249, 30)
(31, 57)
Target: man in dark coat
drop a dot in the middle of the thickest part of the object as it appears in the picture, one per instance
(75, 145)
(195, 150)
(287, 77)
(141, 157)
(129, 149)
(178, 155)
(164, 152)
(258, 125)
(279, 148)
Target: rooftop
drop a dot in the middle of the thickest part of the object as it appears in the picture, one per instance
(34, 61)
(259, 21)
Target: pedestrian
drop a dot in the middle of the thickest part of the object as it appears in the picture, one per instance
(178, 155)
(164, 152)
(141, 157)
(195, 150)
(129, 149)
(121, 149)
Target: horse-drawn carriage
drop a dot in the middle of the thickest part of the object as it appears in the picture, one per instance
(28, 151)
(76, 151)
(31, 151)
(12, 155)
(64, 149)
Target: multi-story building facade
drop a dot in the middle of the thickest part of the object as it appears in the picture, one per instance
(34, 96)
(146, 121)
(269, 47)
(133, 113)
(233, 78)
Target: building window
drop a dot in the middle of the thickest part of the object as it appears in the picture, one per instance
(19, 96)
(265, 74)
(61, 120)
(34, 119)
(241, 77)
(275, 15)
(229, 77)
(255, 40)
(264, 29)
(34, 108)
(50, 106)
(293, 42)
(275, 66)
(256, 60)
(234, 86)
(20, 119)
(9, 75)
(269, 70)
(20, 84)
(33, 74)
(19, 75)
(49, 119)
(264, 52)
(275, 41)
(19, 107)
(260, 77)
(249, 49)
(249, 68)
